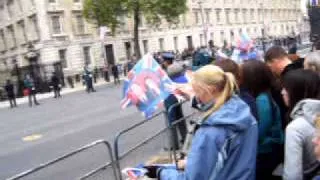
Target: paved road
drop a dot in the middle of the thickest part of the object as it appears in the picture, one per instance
(62, 125)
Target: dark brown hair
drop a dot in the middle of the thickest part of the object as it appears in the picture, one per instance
(275, 52)
(301, 84)
(257, 77)
(227, 65)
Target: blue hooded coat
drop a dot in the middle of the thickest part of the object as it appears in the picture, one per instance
(223, 148)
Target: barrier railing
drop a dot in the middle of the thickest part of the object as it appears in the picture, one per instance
(120, 156)
(164, 131)
(91, 174)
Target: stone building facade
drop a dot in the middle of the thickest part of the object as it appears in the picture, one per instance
(60, 34)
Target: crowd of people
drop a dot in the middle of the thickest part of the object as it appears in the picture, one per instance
(255, 117)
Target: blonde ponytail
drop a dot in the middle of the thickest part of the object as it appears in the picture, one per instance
(229, 88)
(225, 83)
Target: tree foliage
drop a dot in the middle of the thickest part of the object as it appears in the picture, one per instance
(108, 12)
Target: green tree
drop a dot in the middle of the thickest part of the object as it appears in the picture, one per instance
(108, 13)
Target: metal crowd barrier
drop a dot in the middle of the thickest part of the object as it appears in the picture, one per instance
(118, 156)
(92, 173)
(166, 130)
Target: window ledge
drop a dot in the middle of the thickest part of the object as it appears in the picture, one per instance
(13, 48)
(82, 34)
(59, 35)
(23, 43)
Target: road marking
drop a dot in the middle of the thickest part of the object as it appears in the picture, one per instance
(32, 137)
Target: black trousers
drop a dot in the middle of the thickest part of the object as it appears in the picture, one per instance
(268, 162)
(13, 102)
(116, 79)
(56, 92)
(31, 96)
(90, 87)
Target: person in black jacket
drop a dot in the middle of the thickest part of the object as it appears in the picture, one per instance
(10, 93)
(279, 61)
(55, 85)
(115, 73)
(280, 64)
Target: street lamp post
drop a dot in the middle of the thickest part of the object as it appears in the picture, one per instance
(204, 25)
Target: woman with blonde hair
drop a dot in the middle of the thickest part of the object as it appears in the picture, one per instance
(225, 142)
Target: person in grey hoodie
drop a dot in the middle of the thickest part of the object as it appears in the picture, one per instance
(301, 94)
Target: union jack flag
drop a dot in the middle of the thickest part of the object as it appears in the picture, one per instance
(147, 86)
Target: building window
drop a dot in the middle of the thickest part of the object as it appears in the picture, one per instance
(260, 15)
(244, 16)
(123, 22)
(2, 13)
(184, 20)
(145, 46)
(208, 19)
(161, 44)
(52, 1)
(227, 17)
(34, 21)
(19, 4)
(3, 40)
(22, 31)
(56, 25)
(218, 16)
(196, 16)
(10, 5)
(252, 15)
(236, 16)
(12, 36)
(76, 1)
(212, 36)
(87, 55)
(80, 24)
(175, 43)
(62, 58)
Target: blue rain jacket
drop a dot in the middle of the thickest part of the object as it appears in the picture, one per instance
(223, 148)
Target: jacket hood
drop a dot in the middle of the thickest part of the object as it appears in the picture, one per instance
(234, 113)
(307, 109)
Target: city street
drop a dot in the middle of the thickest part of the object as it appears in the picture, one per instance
(31, 136)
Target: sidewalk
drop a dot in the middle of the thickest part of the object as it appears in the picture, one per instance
(24, 100)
